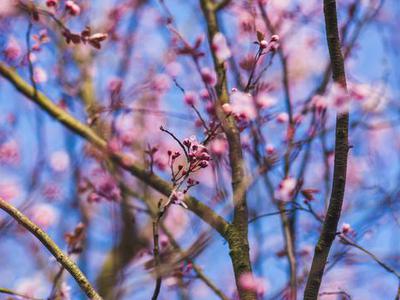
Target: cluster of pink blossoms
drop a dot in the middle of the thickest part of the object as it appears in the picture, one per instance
(244, 106)
(197, 153)
(197, 157)
(101, 186)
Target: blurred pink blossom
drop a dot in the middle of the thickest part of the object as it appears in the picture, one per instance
(221, 47)
(13, 50)
(190, 98)
(44, 215)
(9, 190)
(9, 153)
(243, 105)
(286, 189)
(209, 76)
(39, 75)
(59, 161)
(252, 283)
(72, 8)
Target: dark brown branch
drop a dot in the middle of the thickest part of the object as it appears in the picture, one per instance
(330, 224)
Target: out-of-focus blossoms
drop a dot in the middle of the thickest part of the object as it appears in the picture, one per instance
(40, 75)
(9, 153)
(13, 50)
(221, 47)
(243, 105)
(59, 161)
(286, 189)
(9, 190)
(252, 283)
(44, 215)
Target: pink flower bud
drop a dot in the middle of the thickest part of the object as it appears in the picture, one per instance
(282, 118)
(346, 228)
(270, 149)
(190, 98)
(275, 38)
(51, 3)
(227, 108)
(209, 76)
(72, 8)
(263, 44)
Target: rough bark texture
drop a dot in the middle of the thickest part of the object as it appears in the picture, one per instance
(237, 234)
(329, 227)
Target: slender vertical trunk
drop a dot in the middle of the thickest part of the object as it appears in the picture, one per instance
(330, 224)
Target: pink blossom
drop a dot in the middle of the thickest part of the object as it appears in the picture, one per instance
(93, 197)
(275, 38)
(129, 159)
(72, 8)
(265, 101)
(243, 105)
(13, 50)
(9, 190)
(9, 153)
(282, 118)
(227, 108)
(51, 3)
(197, 153)
(51, 191)
(190, 98)
(114, 145)
(115, 85)
(209, 76)
(7, 8)
(173, 69)
(204, 95)
(286, 189)
(270, 149)
(320, 103)
(127, 138)
(65, 291)
(338, 98)
(59, 161)
(106, 187)
(264, 44)
(178, 198)
(220, 47)
(252, 283)
(44, 215)
(346, 228)
(161, 83)
(39, 75)
(219, 147)
(372, 98)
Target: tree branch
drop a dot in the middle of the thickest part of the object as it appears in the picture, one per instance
(237, 234)
(329, 227)
(162, 186)
(63, 259)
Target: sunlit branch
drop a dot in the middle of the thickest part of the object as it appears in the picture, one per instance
(63, 259)
(199, 208)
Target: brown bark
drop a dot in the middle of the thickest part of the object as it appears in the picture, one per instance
(330, 224)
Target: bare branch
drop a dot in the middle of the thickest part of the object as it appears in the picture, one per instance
(62, 258)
